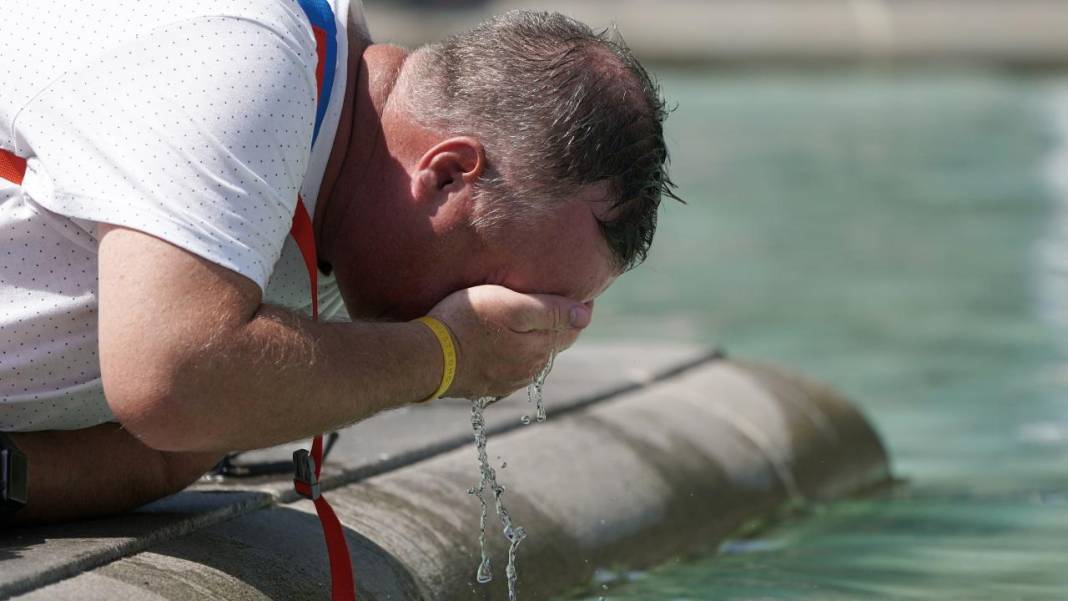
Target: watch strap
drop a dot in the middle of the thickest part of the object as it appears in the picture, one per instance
(13, 476)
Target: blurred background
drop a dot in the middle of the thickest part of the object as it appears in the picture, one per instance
(878, 197)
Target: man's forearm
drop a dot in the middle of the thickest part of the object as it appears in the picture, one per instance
(191, 360)
(281, 377)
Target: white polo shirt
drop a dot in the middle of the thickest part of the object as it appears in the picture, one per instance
(191, 121)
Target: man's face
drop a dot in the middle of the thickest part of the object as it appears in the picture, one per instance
(563, 253)
(407, 239)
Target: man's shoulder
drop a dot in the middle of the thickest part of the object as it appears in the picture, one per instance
(282, 18)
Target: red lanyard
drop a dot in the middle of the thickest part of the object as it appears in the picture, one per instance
(12, 168)
(308, 466)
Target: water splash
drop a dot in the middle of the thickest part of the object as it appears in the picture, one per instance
(534, 389)
(488, 478)
(514, 534)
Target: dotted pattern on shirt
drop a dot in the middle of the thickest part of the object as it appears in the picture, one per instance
(190, 121)
(47, 273)
(210, 157)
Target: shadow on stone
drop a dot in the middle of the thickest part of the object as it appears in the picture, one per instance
(277, 553)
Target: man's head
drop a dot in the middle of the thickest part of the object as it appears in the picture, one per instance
(529, 153)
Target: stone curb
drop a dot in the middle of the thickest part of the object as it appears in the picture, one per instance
(631, 481)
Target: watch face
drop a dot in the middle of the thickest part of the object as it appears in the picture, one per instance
(13, 485)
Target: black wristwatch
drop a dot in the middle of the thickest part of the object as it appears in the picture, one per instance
(12, 476)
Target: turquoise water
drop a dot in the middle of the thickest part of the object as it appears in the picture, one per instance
(904, 237)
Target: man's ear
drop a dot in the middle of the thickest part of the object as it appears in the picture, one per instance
(448, 167)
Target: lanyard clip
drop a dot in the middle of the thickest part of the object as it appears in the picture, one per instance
(304, 480)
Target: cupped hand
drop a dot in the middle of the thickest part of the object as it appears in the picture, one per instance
(504, 338)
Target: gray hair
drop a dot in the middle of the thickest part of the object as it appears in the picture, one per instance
(557, 107)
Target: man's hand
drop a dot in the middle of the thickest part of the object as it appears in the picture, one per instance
(504, 338)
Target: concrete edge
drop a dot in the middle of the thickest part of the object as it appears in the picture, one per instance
(659, 471)
(632, 482)
(132, 546)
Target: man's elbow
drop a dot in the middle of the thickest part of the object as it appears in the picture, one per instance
(148, 402)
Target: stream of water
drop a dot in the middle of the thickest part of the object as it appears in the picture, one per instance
(513, 533)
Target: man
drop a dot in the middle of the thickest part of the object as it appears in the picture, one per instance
(154, 310)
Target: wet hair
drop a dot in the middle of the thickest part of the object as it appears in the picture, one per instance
(558, 108)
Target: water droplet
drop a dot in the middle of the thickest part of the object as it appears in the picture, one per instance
(484, 573)
(525, 419)
(603, 576)
(504, 465)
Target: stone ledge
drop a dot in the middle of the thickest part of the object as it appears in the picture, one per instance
(630, 480)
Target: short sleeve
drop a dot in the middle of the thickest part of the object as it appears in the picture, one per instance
(197, 132)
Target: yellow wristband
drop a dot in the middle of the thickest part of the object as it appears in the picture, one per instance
(448, 353)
